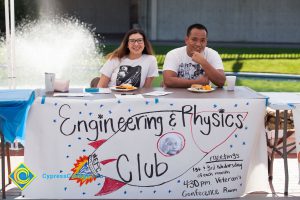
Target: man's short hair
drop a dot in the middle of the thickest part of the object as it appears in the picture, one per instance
(197, 26)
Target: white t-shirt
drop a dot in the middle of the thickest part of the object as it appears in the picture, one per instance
(177, 60)
(134, 72)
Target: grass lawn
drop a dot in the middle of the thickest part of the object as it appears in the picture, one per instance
(268, 60)
(263, 60)
(280, 66)
(266, 85)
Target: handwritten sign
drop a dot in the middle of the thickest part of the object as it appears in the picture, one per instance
(143, 148)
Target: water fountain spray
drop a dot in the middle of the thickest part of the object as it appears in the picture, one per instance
(62, 45)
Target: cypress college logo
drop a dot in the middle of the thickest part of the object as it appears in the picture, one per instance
(22, 176)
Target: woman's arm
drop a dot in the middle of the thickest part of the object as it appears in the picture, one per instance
(148, 82)
(103, 82)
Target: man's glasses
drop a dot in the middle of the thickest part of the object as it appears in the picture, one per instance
(139, 41)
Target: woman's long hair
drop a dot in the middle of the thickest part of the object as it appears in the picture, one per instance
(123, 50)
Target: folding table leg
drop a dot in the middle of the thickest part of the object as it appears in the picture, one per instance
(8, 161)
(284, 152)
(274, 145)
(3, 165)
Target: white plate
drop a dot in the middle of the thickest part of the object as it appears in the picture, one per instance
(122, 90)
(200, 90)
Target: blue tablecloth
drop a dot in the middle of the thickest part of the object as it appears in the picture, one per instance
(14, 106)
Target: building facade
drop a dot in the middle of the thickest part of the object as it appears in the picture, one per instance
(271, 21)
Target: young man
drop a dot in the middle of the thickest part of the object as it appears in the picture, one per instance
(194, 63)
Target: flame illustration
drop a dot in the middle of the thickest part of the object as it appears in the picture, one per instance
(81, 173)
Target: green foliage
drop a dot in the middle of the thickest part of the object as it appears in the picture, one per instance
(109, 48)
(163, 49)
(2, 17)
(24, 9)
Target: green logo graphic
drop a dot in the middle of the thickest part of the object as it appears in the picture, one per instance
(22, 176)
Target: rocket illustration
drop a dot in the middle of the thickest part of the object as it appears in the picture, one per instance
(140, 158)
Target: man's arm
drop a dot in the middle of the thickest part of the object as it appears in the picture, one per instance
(216, 76)
(171, 80)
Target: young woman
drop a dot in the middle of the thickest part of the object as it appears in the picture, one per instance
(131, 63)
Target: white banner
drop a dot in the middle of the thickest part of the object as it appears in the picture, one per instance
(145, 148)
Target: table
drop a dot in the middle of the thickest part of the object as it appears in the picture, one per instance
(180, 146)
(14, 106)
(283, 101)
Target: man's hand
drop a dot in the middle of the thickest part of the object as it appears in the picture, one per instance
(203, 80)
(216, 76)
(198, 57)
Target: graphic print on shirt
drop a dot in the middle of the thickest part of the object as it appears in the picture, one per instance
(129, 75)
(189, 71)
